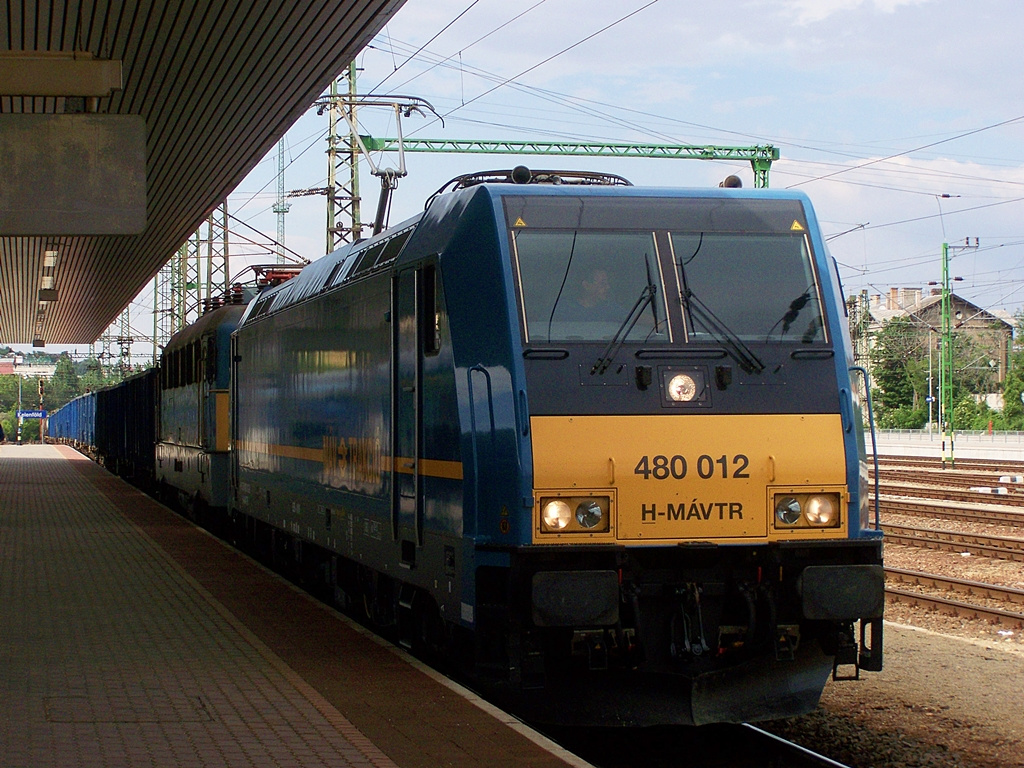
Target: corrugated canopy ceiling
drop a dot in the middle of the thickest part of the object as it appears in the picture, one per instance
(217, 83)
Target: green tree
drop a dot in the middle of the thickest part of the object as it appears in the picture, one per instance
(969, 413)
(974, 371)
(92, 379)
(62, 387)
(8, 392)
(65, 385)
(9, 405)
(1013, 385)
(899, 367)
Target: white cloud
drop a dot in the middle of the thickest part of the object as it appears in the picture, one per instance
(831, 82)
(812, 11)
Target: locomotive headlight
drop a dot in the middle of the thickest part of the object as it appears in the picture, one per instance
(820, 510)
(806, 510)
(787, 510)
(555, 515)
(589, 513)
(682, 388)
(575, 514)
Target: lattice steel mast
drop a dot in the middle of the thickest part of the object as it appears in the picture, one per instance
(281, 206)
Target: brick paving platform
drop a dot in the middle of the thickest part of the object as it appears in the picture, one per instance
(129, 637)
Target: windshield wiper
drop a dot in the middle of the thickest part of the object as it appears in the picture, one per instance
(739, 351)
(606, 358)
(568, 265)
(654, 307)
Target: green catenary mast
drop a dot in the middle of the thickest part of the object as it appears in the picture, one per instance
(344, 150)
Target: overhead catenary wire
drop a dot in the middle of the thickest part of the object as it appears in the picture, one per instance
(795, 166)
(791, 161)
(947, 213)
(910, 151)
(553, 56)
(779, 140)
(436, 35)
(465, 48)
(575, 103)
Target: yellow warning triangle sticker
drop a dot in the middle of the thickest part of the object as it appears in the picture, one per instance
(519, 222)
(796, 227)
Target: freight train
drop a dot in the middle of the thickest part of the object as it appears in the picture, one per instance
(600, 442)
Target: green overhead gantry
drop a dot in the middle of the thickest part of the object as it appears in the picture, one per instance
(760, 157)
(344, 151)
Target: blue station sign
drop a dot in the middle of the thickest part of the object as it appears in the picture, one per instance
(32, 414)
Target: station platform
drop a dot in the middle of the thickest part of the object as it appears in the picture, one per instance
(129, 637)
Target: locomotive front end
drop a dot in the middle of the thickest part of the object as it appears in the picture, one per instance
(697, 520)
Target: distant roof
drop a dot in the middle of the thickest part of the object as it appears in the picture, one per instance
(927, 305)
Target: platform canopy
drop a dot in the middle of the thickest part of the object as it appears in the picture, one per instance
(123, 124)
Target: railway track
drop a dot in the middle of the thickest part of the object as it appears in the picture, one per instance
(787, 753)
(957, 608)
(963, 586)
(1003, 482)
(712, 746)
(974, 514)
(1001, 547)
(990, 614)
(972, 465)
(932, 500)
(963, 494)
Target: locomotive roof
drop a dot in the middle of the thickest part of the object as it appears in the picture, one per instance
(227, 314)
(432, 229)
(346, 263)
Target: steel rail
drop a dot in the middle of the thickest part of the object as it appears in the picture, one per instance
(1000, 547)
(997, 465)
(963, 586)
(980, 514)
(957, 608)
(952, 478)
(950, 493)
(791, 755)
(726, 745)
(1007, 543)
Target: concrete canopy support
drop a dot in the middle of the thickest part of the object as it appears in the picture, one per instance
(72, 174)
(57, 73)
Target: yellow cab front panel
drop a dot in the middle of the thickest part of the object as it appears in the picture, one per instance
(686, 478)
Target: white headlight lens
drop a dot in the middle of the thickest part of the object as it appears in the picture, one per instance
(555, 515)
(821, 510)
(787, 510)
(682, 388)
(589, 514)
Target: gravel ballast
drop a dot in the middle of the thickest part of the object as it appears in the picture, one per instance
(941, 700)
(951, 692)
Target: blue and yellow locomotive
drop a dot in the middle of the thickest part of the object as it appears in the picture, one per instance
(192, 434)
(603, 439)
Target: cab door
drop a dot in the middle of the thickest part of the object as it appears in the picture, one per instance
(407, 486)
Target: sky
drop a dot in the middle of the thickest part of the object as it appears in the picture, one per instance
(902, 120)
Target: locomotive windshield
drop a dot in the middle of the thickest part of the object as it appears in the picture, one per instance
(647, 269)
(591, 286)
(713, 267)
